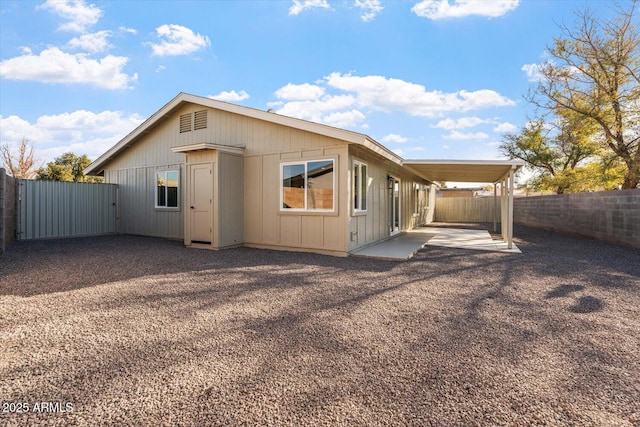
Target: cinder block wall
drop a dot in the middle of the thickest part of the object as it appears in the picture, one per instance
(7, 209)
(611, 216)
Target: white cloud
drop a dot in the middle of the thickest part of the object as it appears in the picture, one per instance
(275, 104)
(505, 127)
(128, 30)
(79, 15)
(533, 72)
(442, 9)
(461, 123)
(398, 151)
(93, 42)
(300, 5)
(55, 66)
(389, 94)
(465, 136)
(344, 100)
(160, 68)
(178, 40)
(81, 132)
(494, 144)
(302, 92)
(394, 137)
(343, 119)
(324, 110)
(370, 9)
(231, 96)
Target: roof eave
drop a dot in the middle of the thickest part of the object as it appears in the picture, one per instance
(96, 166)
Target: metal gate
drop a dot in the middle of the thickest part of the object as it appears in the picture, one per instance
(50, 209)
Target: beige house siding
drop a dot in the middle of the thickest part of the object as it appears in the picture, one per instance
(267, 226)
(229, 200)
(246, 188)
(365, 228)
(136, 202)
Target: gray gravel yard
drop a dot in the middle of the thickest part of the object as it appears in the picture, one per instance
(142, 331)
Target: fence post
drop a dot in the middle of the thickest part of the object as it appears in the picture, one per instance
(18, 209)
(3, 196)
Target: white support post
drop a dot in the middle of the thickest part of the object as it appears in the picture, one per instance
(510, 210)
(503, 209)
(495, 207)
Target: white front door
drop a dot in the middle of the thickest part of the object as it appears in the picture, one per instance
(201, 206)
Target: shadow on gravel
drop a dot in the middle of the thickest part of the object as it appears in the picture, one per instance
(563, 291)
(451, 337)
(40, 267)
(587, 304)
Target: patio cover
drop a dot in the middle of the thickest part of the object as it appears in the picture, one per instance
(496, 172)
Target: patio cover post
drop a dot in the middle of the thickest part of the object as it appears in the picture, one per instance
(510, 210)
(495, 207)
(503, 209)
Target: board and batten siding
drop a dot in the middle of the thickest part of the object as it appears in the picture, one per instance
(136, 202)
(229, 200)
(267, 225)
(266, 145)
(373, 225)
(249, 213)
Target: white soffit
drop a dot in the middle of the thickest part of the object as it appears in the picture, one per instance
(208, 146)
(464, 170)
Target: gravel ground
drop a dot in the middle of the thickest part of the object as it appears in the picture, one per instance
(141, 331)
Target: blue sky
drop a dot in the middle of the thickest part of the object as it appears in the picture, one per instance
(429, 79)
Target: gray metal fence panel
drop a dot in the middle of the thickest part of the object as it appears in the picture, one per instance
(51, 209)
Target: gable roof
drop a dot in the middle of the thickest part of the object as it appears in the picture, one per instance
(182, 98)
(432, 170)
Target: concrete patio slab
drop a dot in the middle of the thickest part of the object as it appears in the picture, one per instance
(466, 239)
(402, 247)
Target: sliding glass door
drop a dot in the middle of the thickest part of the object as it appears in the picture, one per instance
(394, 205)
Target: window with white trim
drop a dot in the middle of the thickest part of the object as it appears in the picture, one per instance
(166, 189)
(360, 183)
(307, 185)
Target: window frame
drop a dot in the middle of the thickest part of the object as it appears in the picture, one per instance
(306, 209)
(156, 175)
(357, 186)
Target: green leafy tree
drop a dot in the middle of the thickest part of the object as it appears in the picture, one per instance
(593, 71)
(565, 156)
(67, 167)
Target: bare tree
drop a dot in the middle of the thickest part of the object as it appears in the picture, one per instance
(594, 71)
(22, 164)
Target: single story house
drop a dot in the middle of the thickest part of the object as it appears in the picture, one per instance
(220, 175)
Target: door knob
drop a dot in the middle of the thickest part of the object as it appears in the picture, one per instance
(192, 207)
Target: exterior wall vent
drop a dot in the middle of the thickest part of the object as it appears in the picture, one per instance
(185, 123)
(200, 120)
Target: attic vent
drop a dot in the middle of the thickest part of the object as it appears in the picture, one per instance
(185, 123)
(200, 120)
